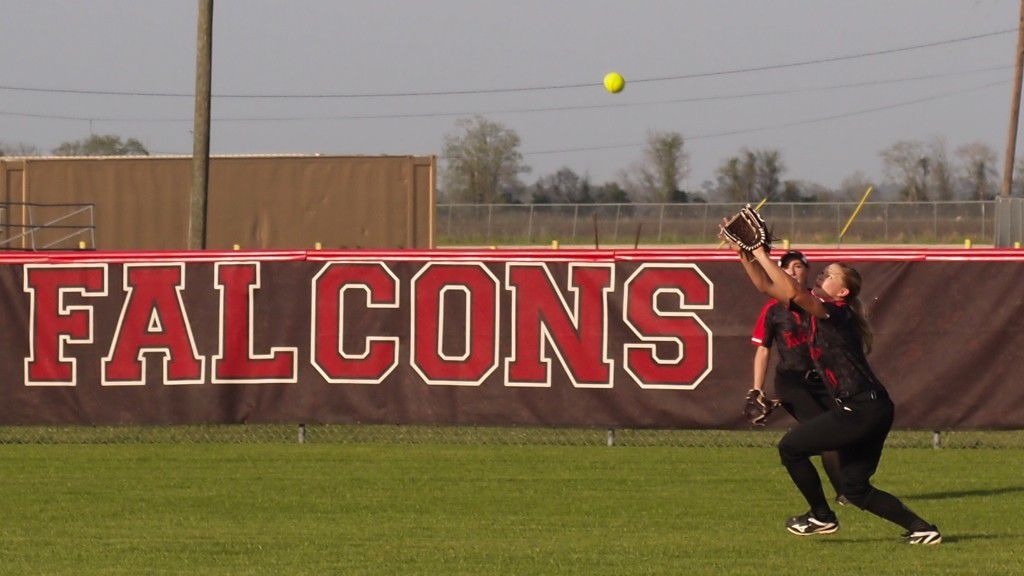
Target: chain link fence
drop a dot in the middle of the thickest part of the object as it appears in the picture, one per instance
(467, 435)
(697, 223)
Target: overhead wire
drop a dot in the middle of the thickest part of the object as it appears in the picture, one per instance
(565, 108)
(503, 90)
(790, 124)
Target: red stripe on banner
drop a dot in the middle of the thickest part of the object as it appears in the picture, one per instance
(478, 255)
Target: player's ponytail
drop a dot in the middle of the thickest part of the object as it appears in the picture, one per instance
(852, 282)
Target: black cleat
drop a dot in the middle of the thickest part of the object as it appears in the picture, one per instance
(808, 524)
(929, 535)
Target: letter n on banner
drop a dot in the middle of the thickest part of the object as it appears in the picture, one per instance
(542, 322)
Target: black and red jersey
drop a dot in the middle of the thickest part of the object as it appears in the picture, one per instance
(838, 352)
(789, 327)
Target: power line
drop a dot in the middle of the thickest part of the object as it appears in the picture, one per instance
(792, 124)
(461, 92)
(567, 108)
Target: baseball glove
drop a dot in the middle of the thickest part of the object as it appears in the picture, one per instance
(758, 407)
(748, 230)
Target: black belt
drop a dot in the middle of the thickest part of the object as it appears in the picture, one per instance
(811, 375)
(865, 396)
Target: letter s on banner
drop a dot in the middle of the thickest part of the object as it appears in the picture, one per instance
(680, 328)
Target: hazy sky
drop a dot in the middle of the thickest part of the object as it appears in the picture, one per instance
(957, 91)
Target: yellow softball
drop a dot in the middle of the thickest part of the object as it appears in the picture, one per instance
(614, 82)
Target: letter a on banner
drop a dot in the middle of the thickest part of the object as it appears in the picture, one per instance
(153, 289)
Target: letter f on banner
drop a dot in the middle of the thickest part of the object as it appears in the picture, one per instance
(52, 323)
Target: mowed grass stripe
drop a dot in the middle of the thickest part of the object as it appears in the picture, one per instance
(457, 509)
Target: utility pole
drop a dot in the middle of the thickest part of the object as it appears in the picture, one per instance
(1011, 140)
(201, 128)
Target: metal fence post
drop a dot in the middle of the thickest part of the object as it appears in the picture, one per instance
(935, 221)
(704, 222)
(529, 226)
(618, 210)
(450, 209)
(575, 217)
(661, 220)
(490, 214)
(885, 218)
(1020, 221)
(983, 220)
(792, 221)
(838, 226)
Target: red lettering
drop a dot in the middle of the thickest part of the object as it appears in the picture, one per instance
(470, 359)
(153, 319)
(679, 328)
(237, 362)
(542, 318)
(380, 354)
(53, 323)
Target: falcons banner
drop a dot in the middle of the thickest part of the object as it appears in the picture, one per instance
(585, 338)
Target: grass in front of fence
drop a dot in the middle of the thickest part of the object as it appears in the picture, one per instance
(472, 435)
(379, 508)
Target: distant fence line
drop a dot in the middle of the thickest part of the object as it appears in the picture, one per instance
(696, 223)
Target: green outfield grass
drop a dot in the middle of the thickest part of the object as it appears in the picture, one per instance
(463, 509)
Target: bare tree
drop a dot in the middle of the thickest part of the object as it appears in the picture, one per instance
(751, 176)
(483, 162)
(769, 173)
(906, 163)
(854, 186)
(564, 186)
(979, 165)
(18, 149)
(658, 177)
(940, 173)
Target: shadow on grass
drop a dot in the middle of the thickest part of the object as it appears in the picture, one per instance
(964, 493)
(946, 539)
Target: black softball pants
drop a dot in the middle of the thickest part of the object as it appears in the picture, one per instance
(857, 431)
(805, 397)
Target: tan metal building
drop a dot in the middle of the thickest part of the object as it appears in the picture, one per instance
(272, 202)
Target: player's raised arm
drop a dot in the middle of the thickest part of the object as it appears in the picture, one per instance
(750, 266)
(784, 287)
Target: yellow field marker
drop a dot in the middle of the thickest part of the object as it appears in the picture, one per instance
(855, 212)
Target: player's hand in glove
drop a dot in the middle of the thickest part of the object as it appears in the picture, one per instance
(758, 407)
(746, 230)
